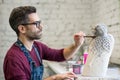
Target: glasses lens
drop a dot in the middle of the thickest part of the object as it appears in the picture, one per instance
(38, 23)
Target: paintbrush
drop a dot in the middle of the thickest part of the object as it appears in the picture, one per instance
(86, 36)
(89, 36)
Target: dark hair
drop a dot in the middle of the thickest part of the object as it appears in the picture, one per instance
(19, 15)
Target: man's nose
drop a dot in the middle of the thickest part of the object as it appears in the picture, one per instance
(40, 26)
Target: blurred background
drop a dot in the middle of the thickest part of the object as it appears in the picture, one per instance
(61, 19)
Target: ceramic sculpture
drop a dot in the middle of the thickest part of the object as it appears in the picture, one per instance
(99, 53)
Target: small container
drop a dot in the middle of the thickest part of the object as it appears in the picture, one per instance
(77, 68)
(85, 57)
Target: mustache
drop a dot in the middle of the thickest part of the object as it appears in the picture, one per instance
(40, 30)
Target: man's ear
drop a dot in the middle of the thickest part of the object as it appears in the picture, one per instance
(21, 29)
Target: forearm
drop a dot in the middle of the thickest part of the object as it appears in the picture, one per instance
(51, 78)
(63, 76)
(70, 51)
(78, 41)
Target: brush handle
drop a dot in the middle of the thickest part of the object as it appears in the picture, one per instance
(86, 36)
(89, 36)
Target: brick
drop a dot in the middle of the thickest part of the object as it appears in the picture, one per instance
(1, 1)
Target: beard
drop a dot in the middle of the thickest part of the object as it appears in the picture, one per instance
(34, 36)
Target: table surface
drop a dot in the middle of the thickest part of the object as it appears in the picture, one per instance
(113, 73)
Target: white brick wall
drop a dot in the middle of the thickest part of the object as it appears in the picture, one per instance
(61, 19)
(0, 1)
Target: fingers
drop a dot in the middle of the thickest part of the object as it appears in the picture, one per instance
(79, 34)
(66, 76)
(79, 38)
(71, 75)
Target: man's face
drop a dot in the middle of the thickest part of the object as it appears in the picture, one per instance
(33, 28)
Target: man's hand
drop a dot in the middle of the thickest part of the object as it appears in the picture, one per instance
(65, 76)
(70, 51)
(79, 38)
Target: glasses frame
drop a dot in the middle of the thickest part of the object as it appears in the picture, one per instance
(37, 23)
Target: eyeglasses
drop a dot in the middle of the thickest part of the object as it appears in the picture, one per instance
(37, 23)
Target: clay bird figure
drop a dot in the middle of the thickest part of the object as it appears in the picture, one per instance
(99, 52)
